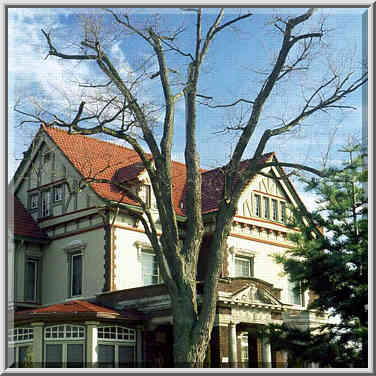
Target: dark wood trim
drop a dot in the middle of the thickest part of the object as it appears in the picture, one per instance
(63, 215)
(77, 232)
(113, 264)
(132, 229)
(261, 240)
(41, 187)
(261, 220)
(56, 225)
(269, 194)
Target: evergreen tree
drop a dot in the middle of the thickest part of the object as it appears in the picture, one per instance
(330, 259)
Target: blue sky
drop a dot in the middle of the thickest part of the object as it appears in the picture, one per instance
(228, 74)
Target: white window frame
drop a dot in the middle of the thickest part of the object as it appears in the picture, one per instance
(257, 205)
(58, 192)
(158, 275)
(34, 201)
(20, 335)
(249, 261)
(293, 296)
(64, 340)
(274, 209)
(266, 204)
(62, 332)
(118, 332)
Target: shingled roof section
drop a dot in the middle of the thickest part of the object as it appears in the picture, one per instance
(24, 224)
(105, 160)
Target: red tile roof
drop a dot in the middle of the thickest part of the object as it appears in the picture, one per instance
(73, 306)
(105, 160)
(24, 224)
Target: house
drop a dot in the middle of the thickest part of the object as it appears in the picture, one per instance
(87, 290)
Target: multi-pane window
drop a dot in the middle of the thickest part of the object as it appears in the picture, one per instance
(64, 346)
(34, 200)
(258, 205)
(116, 333)
(46, 204)
(294, 295)
(58, 193)
(116, 347)
(31, 279)
(17, 335)
(20, 340)
(69, 332)
(243, 267)
(76, 274)
(274, 210)
(266, 208)
(150, 269)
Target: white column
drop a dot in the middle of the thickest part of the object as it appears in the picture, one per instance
(38, 344)
(266, 352)
(92, 343)
(233, 354)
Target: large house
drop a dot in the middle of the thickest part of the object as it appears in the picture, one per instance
(86, 287)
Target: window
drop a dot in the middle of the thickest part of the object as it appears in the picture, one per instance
(243, 267)
(294, 295)
(31, 279)
(46, 210)
(58, 193)
(34, 200)
(150, 269)
(116, 347)
(274, 210)
(22, 356)
(257, 205)
(76, 274)
(266, 208)
(64, 346)
(283, 212)
(20, 340)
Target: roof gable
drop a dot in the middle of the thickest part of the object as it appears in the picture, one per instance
(104, 160)
(24, 224)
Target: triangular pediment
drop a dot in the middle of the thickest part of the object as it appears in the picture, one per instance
(254, 294)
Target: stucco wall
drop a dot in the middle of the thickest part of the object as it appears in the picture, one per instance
(55, 266)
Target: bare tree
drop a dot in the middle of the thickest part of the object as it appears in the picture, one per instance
(122, 113)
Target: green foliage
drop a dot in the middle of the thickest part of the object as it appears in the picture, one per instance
(330, 259)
